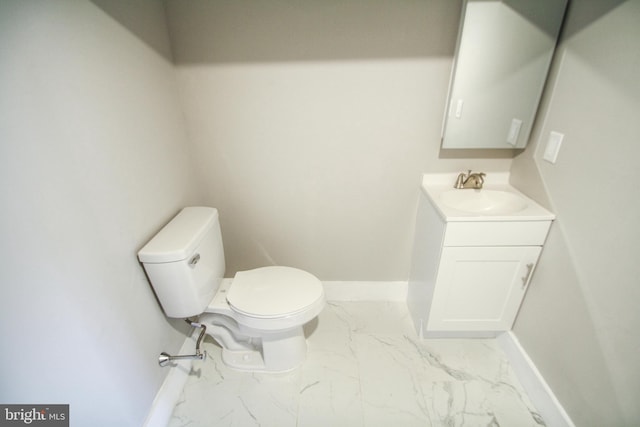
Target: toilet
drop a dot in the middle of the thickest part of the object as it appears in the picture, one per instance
(257, 318)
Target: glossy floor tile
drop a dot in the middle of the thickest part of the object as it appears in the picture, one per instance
(365, 367)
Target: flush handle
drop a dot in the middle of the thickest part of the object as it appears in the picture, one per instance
(527, 276)
(193, 261)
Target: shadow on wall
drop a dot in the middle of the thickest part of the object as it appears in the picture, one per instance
(582, 17)
(537, 15)
(217, 31)
(144, 19)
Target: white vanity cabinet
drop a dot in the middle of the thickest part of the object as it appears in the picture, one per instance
(470, 273)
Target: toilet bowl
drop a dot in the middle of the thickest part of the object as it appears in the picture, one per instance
(257, 317)
(269, 305)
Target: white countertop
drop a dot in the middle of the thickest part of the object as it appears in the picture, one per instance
(433, 185)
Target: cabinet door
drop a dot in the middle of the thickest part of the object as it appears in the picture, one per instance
(480, 288)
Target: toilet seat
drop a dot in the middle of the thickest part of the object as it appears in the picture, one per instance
(275, 292)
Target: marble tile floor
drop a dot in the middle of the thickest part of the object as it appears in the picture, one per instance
(365, 367)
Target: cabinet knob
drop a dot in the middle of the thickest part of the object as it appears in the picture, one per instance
(527, 276)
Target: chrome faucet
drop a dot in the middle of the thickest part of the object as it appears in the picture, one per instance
(470, 180)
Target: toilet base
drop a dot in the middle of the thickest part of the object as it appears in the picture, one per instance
(243, 360)
(280, 352)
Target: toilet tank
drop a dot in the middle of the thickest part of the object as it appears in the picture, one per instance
(185, 261)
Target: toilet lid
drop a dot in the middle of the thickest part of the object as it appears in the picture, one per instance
(273, 291)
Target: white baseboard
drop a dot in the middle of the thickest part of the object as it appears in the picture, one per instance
(171, 388)
(534, 384)
(365, 291)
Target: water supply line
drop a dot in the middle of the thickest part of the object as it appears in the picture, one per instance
(165, 358)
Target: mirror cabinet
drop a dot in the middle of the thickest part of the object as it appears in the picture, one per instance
(502, 59)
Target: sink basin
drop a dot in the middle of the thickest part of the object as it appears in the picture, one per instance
(483, 202)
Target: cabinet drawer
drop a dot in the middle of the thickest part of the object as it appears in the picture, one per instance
(495, 233)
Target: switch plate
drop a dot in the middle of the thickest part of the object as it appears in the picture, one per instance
(553, 147)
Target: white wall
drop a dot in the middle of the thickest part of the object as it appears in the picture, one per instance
(312, 122)
(579, 322)
(93, 161)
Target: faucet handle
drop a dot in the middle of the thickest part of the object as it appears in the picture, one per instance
(470, 180)
(478, 180)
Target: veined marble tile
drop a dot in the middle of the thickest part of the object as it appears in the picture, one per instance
(331, 331)
(330, 393)
(390, 374)
(365, 367)
(382, 318)
(477, 403)
(216, 395)
(270, 399)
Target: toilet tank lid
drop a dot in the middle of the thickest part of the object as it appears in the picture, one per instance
(178, 239)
